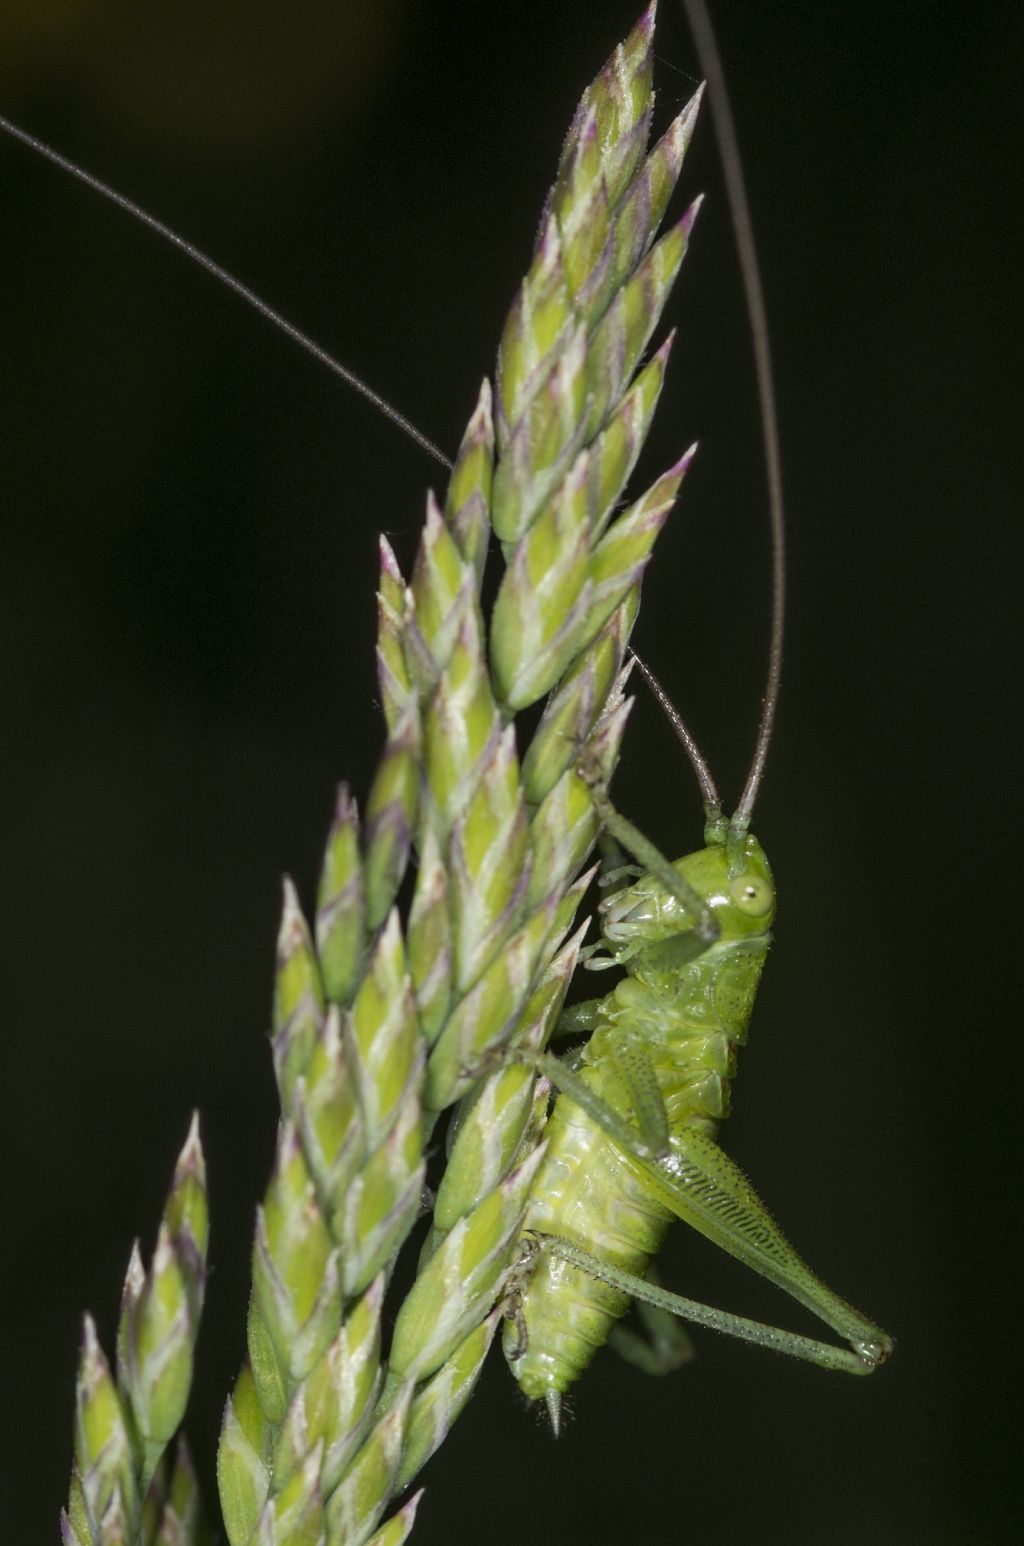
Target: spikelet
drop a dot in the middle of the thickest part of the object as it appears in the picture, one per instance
(125, 1418)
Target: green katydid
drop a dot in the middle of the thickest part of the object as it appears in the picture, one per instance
(632, 1139)
(643, 1109)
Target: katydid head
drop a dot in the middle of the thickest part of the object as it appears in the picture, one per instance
(731, 879)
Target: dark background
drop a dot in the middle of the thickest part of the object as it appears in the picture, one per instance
(190, 509)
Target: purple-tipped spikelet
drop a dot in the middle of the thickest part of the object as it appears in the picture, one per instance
(124, 1422)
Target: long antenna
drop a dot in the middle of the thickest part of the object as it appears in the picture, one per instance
(739, 209)
(712, 803)
(221, 274)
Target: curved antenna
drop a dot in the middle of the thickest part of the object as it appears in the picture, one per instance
(712, 803)
(739, 210)
(221, 274)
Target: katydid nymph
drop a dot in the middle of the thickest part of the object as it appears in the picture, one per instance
(632, 1139)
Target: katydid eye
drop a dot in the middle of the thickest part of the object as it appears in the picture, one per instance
(751, 895)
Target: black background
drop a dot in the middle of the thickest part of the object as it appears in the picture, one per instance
(190, 510)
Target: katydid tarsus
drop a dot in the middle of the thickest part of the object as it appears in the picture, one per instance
(632, 1138)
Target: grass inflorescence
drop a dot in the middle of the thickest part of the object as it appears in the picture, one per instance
(387, 1016)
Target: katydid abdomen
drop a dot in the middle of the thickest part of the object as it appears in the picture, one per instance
(586, 1193)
